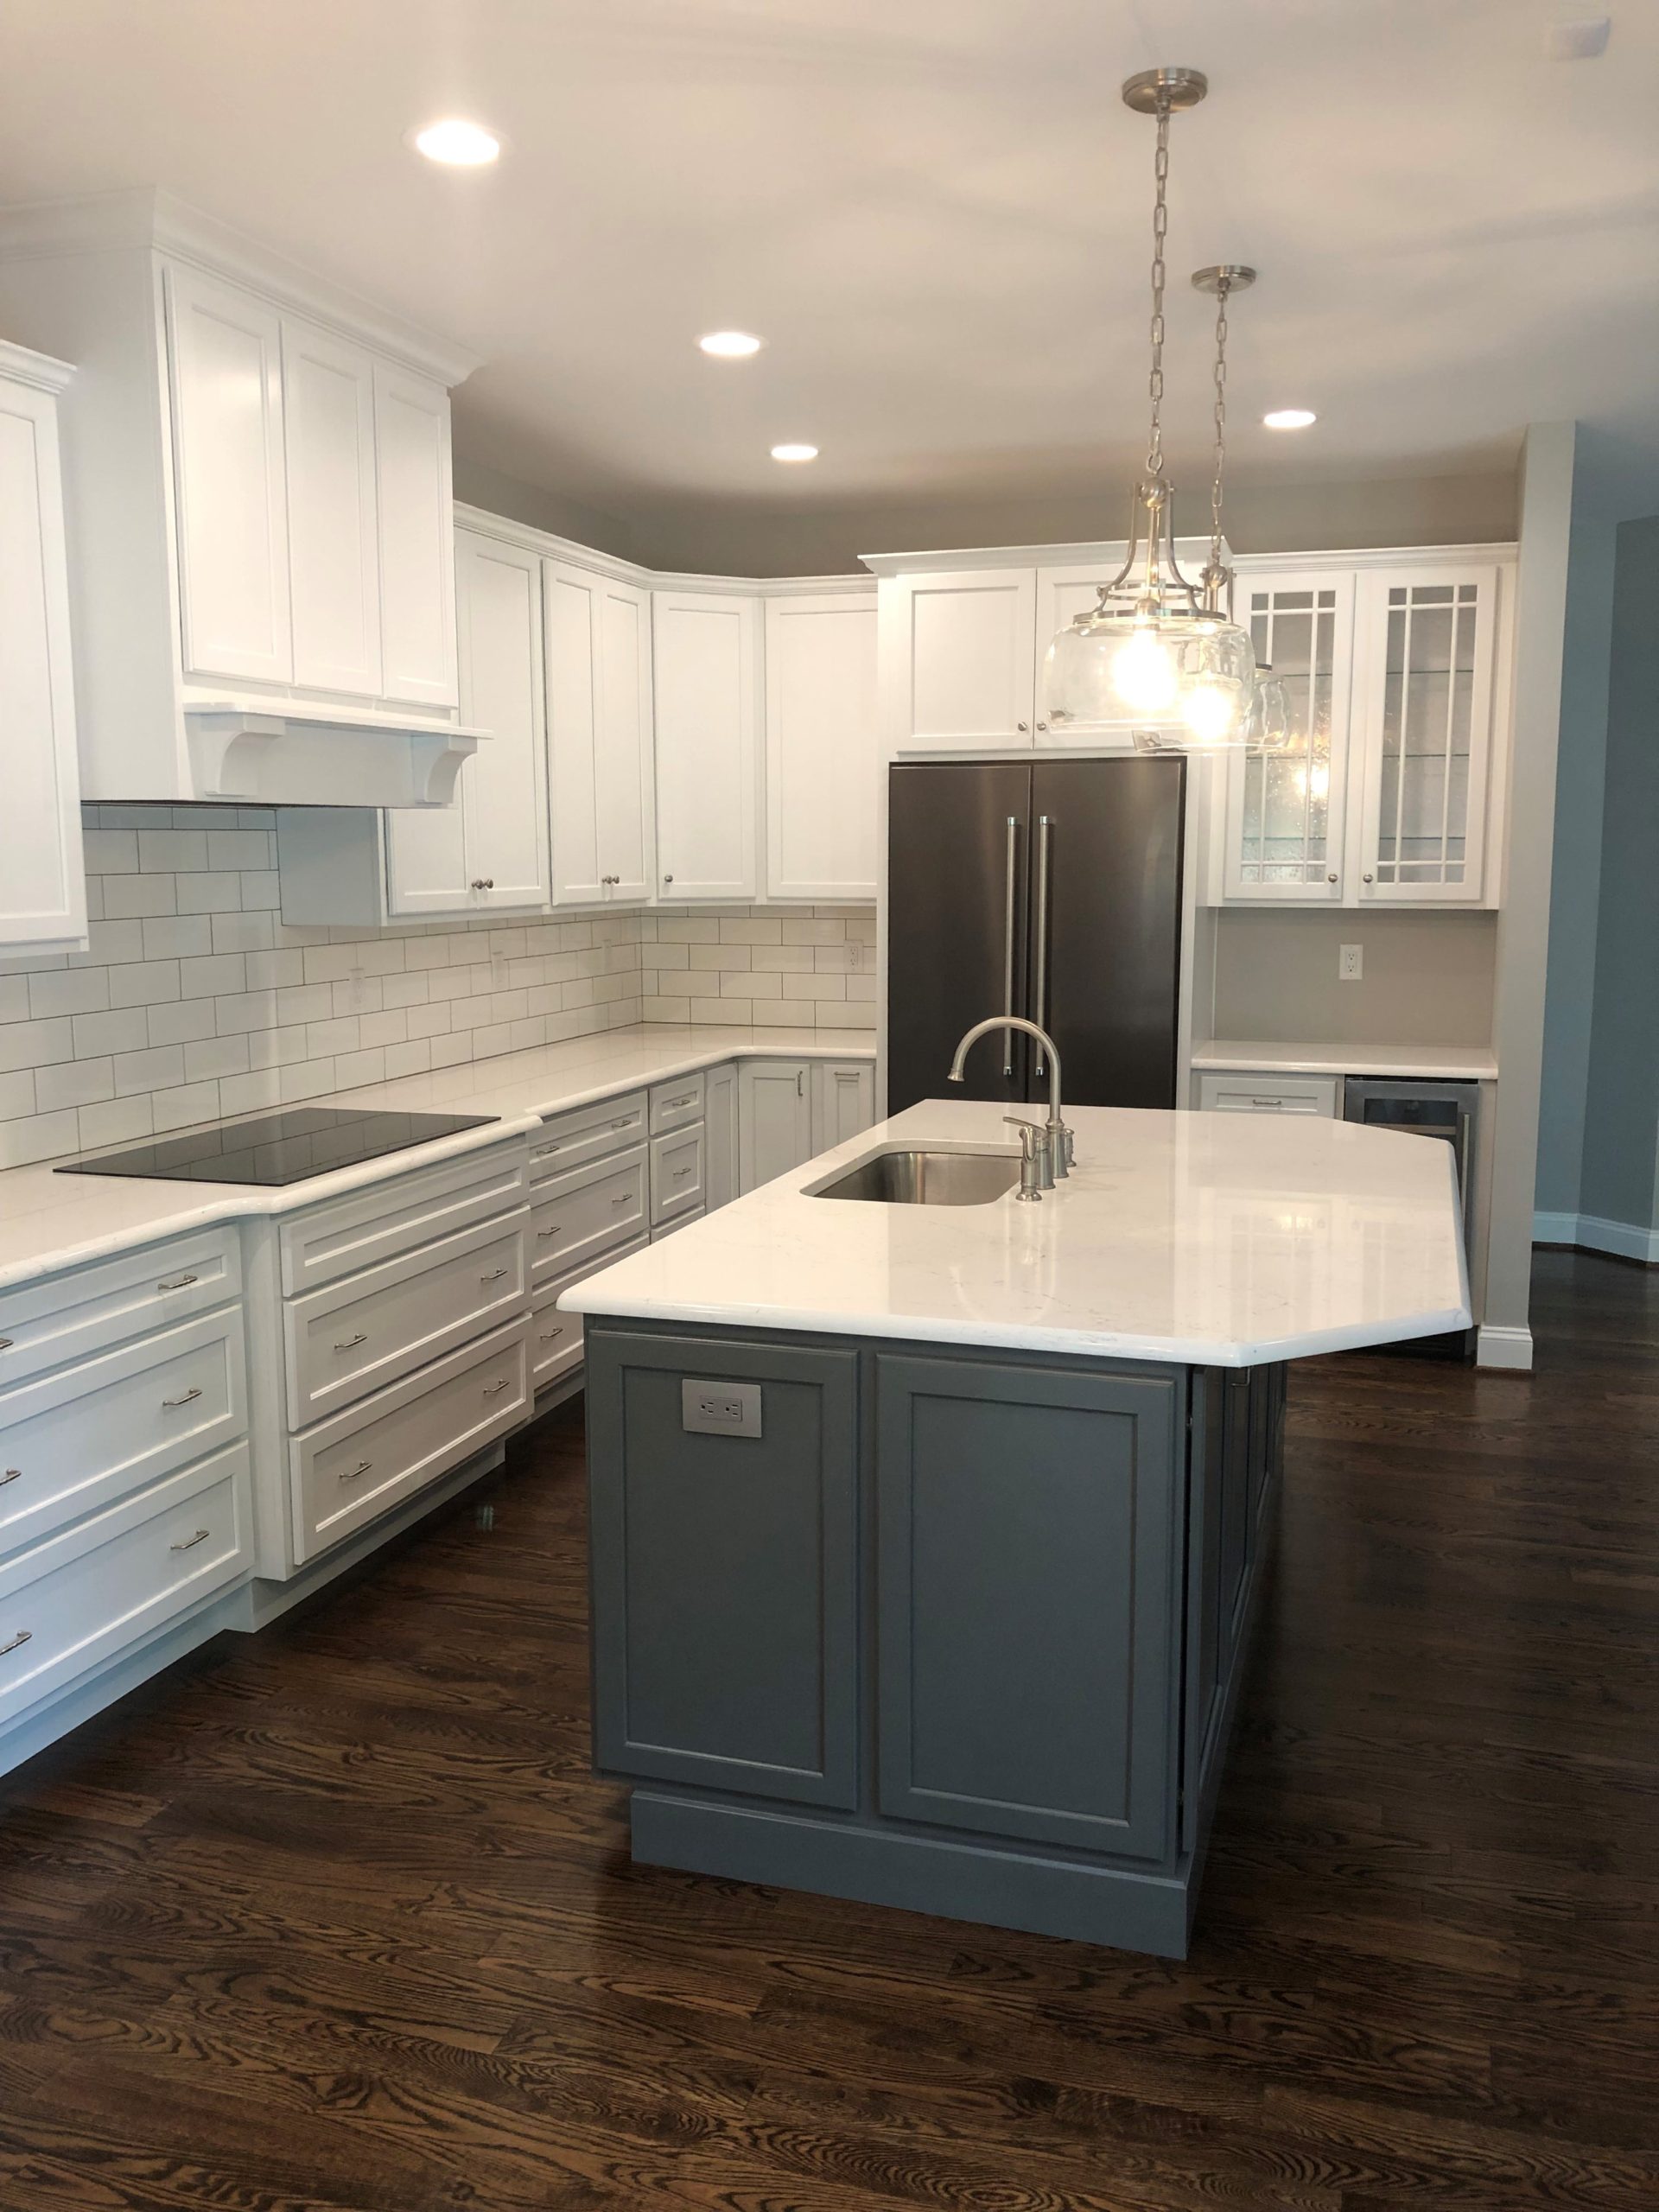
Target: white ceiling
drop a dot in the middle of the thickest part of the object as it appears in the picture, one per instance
(936, 210)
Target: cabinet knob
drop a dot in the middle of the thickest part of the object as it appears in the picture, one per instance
(1022, 725)
(1332, 877)
(1042, 725)
(1365, 878)
(483, 883)
(668, 879)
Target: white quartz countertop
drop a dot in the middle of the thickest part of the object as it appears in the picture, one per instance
(49, 1221)
(1442, 1063)
(1197, 1238)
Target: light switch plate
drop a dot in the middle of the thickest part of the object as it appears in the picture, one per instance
(720, 1408)
(1350, 964)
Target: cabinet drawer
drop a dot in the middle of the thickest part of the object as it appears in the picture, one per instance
(68, 1316)
(368, 1459)
(556, 1338)
(674, 1104)
(676, 1175)
(587, 1133)
(77, 1600)
(589, 1212)
(353, 1337)
(81, 1437)
(680, 1221)
(1268, 1094)
(394, 1217)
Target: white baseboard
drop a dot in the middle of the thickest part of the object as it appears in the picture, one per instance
(1626, 1240)
(1511, 1348)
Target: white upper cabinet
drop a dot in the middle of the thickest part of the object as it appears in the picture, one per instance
(333, 534)
(1424, 733)
(225, 348)
(490, 851)
(957, 659)
(822, 757)
(1385, 794)
(43, 886)
(599, 715)
(417, 583)
(704, 658)
(1063, 594)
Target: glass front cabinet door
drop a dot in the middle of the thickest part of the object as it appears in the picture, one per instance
(1422, 727)
(1286, 810)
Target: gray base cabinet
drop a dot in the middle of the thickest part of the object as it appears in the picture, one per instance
(954, 1630)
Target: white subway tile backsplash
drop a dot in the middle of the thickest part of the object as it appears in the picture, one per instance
(178, 936)
(73, 1083)
(70, 990)
(37, 1044)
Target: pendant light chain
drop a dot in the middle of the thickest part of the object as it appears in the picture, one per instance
(1160, 230)
(1223, 286)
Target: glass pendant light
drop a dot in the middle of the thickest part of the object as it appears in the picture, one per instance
(1158, 654)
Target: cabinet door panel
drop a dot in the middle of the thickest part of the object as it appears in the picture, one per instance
(570, 607)
(225, 358)
(1025, 1681)
(703, 655)
(499, 615)
(1286, 810)
(333, 544)
(1427, 721)
(774, 1119)
(625, 790)
(957, 658)
(843, 1101)
(42, 883)
(723, 1570)
(1063, 594)
(719, 1129)
(416, 513)
(823, 763)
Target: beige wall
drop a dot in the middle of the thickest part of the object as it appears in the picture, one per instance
(1427, 979)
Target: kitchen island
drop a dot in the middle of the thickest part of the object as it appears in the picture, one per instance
(927, 1536)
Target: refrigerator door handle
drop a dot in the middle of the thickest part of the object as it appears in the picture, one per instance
(1040, 997)
(1007, 945)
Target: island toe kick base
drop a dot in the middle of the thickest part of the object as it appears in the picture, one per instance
(955, 1630)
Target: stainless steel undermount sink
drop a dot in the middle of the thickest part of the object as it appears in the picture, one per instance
(903, 1178)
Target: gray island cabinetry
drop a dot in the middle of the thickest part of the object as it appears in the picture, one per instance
(930, 1515)
(954, 1631)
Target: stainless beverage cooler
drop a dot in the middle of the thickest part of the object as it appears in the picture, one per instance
(1449, 1112)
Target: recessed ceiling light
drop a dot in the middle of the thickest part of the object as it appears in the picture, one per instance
(1290, 418)
(458, 144)
(730, 345)
(794, 453)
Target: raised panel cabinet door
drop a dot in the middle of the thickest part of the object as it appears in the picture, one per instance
(499, 620)
(42, 880)
(415, 493)
(570, 599)
(843, 1101)
(824, 766)
(723, 1569)
(720, 1134)
(1027, 1559)
(1424, 714)
(624, 787)
(333, 552)
(1286, 812)
(225, 361)
(705, 694)
(955, 659)
(774, 1119)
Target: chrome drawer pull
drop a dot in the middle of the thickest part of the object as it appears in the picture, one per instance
(170, 1405)
(627, 1121)
(190, 1543)
(6, 1343)
(626, 1200)
(12, 1474)
(352, 1343)
(669, 1104)
(350, 1474)
(680, 1174)
(182, 1282)
(545, 1233)
(496, 1277)
(24, 1635)
(491, 1389)
(550, 1336)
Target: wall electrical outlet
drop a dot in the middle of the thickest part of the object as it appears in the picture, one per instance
(1350, 964)
(357, 992)
(720, 1408)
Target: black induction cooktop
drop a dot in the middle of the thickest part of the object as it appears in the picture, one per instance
(275, 1148)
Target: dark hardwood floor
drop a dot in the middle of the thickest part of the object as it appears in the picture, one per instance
(337, 1919)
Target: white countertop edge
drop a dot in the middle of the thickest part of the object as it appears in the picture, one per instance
(984, 1336)
(1433, 1063)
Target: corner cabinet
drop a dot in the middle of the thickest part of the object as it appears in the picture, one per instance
(1389, 789)
(705, 659)
(42, 882)
(823, 763)
(599, 726)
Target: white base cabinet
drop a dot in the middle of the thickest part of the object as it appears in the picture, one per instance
(789, 1110)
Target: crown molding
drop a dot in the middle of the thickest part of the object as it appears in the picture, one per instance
(24, 366)
(154, 220)
(551, 547)
(1191, 552)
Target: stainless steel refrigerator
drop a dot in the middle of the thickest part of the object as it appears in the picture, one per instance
(1049, 888)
